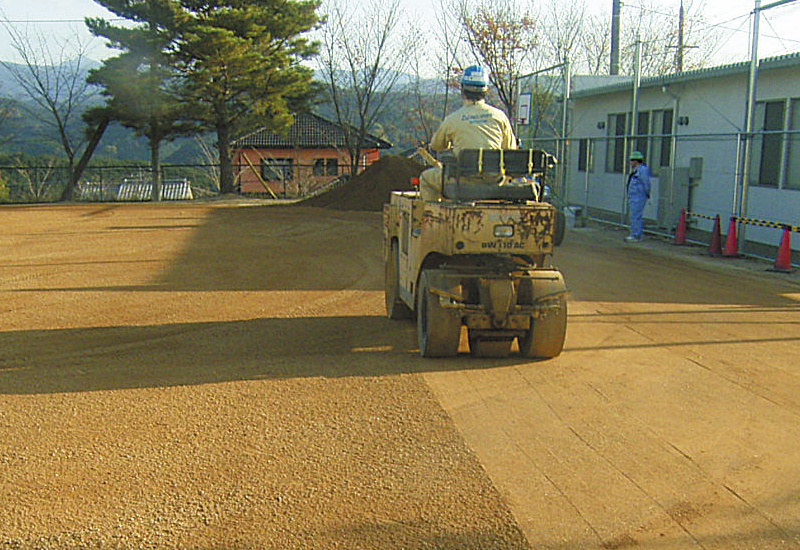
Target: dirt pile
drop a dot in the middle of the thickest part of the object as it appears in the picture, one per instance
(371, 189)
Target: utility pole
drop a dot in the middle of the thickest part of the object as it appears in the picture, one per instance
(615, 11)
(679, 54)
(681, 45)
(564, 130)
(633, 125)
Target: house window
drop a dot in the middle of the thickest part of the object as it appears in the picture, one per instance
(615, 145)
(767, 148)
(326, 167)
(332, 167)
(585, 153)
(792, 180)
(277, 170)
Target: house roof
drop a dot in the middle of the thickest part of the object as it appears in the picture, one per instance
(309, 131)
(779, 62)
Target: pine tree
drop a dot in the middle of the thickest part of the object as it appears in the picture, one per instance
(242, 62)
(141, 84)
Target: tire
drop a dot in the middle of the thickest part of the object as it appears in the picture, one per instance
(560, 228)
(490, 348)
(438, 330)
(396, 308)
(545, 339)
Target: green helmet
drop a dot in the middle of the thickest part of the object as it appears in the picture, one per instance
(636, 155)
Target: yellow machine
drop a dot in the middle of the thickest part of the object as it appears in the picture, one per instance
(477, 258)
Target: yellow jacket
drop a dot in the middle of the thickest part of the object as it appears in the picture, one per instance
(476, 125)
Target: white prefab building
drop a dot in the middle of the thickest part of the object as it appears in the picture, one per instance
(690, 127)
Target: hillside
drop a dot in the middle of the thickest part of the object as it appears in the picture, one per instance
(28, 130)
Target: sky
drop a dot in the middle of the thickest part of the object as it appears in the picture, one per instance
(778, 26)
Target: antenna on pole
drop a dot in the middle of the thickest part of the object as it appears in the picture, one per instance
(681, 46)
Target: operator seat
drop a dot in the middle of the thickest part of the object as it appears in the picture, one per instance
(488, 174)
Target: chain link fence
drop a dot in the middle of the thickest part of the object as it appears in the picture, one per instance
(46, 181)
(701, 173)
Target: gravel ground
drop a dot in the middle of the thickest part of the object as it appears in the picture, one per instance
(220, 376)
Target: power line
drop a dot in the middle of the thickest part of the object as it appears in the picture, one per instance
(55, 20)
(704, 26)
(728, 39)
(776, 32)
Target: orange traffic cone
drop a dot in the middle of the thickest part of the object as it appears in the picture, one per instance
(730, 241)
(680, 230)
(715, 246)
(783, 261)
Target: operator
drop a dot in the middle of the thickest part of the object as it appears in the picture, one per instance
(638, 193)
(475, 125)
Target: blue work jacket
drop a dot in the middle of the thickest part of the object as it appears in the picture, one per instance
(639, 183)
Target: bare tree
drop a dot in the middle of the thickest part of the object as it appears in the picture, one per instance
(210, 171)
(7, 111)
(52, 74)
(563, 28)
(594, 47)
(450, 36)
(436, 63)
(426, 99)
(655, 26)
(35, 181)
(503, 35)
(363, 56)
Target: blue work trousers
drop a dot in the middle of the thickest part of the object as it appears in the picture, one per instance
(635, 212)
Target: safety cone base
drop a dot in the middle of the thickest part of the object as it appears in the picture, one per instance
(715, 245)
(783, 261)
(778, 270)
(680, 230)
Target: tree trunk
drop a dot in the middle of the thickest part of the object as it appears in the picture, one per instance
(76, 172)
(225, 161)
(72, 181)
(155, 166)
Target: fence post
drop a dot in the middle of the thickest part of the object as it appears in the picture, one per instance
(589, 165)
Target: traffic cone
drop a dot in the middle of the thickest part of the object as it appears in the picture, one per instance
(783, 261)
(730, 241)
(715, 246)
(680, 230)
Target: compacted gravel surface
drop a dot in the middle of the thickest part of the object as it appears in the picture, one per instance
(222, 375)
(219, 376)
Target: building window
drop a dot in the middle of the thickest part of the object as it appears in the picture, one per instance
(277, 170)
(615, 145)
(767, 148)
(332, 167)
(792, 180)
(319, 167)
(665, 155)
(642, 131)
(585, 154)
(661, 141)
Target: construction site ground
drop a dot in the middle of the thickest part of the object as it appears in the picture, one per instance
(221, 375)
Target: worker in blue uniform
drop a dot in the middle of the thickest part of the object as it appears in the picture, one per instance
(638, 193)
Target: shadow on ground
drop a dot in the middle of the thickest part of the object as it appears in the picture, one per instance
(109, 358)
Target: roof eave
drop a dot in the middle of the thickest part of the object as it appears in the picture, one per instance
(779, 62)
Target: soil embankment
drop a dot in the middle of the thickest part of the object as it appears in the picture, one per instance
(371, 189)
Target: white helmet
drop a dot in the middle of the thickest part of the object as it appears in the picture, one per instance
(475, 79)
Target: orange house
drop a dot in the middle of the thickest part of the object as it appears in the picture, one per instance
(308, 157)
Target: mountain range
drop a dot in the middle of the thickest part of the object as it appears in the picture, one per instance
(27, 129)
